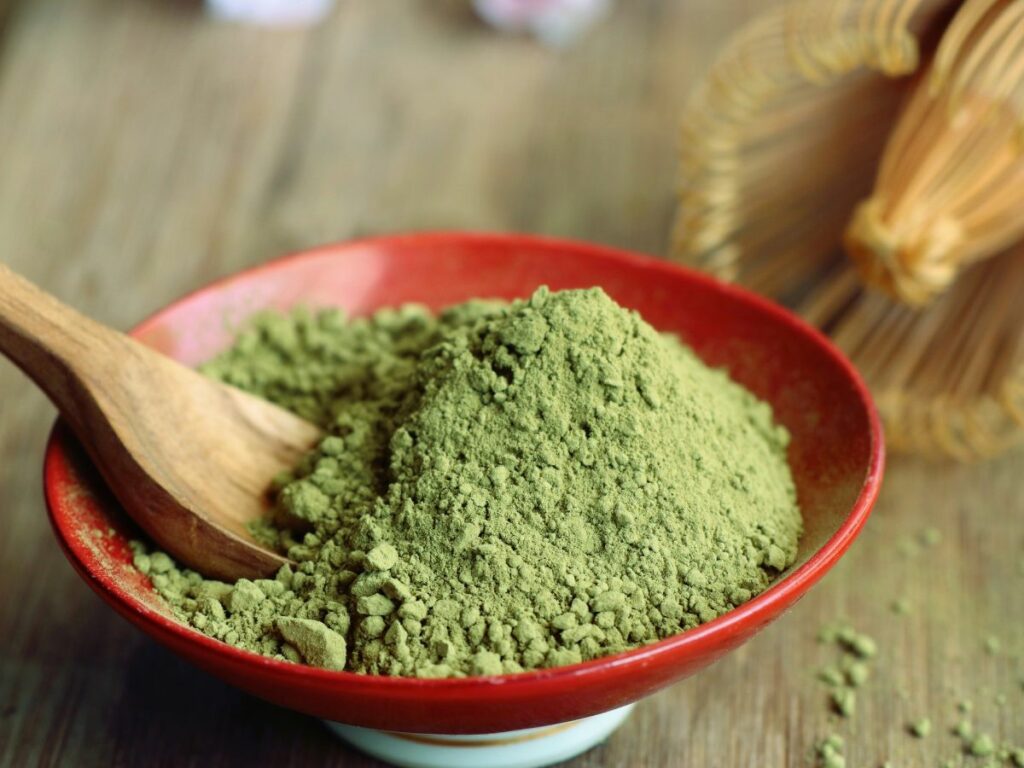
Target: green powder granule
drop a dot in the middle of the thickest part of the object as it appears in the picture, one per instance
(900, 606)
(504, 487)
(857, 674)
(831, 676)
(921, 728)
(981, 745)
(863, 646)
(844, 701)
(931, 536)
(830, 752)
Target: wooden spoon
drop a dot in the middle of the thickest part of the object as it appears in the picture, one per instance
(189, 459)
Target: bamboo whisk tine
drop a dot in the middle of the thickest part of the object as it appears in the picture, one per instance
(947, 190)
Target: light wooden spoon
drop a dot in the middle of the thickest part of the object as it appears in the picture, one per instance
(189, 459)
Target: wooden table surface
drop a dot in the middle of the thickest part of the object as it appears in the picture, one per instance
(144, 151)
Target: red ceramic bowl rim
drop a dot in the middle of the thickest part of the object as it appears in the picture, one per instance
(784, 591)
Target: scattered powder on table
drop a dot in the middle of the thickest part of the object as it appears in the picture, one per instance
(853, 669)
(981, 745)
(845, 701)
(830, 752)
(931, 536)
(921, 728)
(963, 729)
(900, 606)
(503, 487)
(993, 645)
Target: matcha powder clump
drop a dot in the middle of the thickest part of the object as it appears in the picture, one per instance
(504, 487)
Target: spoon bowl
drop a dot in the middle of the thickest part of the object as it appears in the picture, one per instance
(189, 458)
(836, 456)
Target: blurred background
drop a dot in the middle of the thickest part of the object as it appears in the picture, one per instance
(141, 133)
(147, 148)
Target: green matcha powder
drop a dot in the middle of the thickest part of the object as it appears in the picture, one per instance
(504, 487)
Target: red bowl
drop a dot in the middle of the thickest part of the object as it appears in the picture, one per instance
(836, 455)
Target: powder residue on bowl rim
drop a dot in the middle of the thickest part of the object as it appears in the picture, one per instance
(503, 487)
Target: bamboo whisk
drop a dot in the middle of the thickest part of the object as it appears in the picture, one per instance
(949, 188)
(787, 134)
(801, 97)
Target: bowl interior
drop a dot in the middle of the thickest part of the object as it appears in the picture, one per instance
(835, 454)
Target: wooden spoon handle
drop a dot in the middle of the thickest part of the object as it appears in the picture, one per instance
(56, 346)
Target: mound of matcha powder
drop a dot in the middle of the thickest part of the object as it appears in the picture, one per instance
(503, 487)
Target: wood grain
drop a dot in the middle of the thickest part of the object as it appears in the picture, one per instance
(145, 152)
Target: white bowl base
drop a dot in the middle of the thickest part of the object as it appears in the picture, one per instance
(528, 748)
